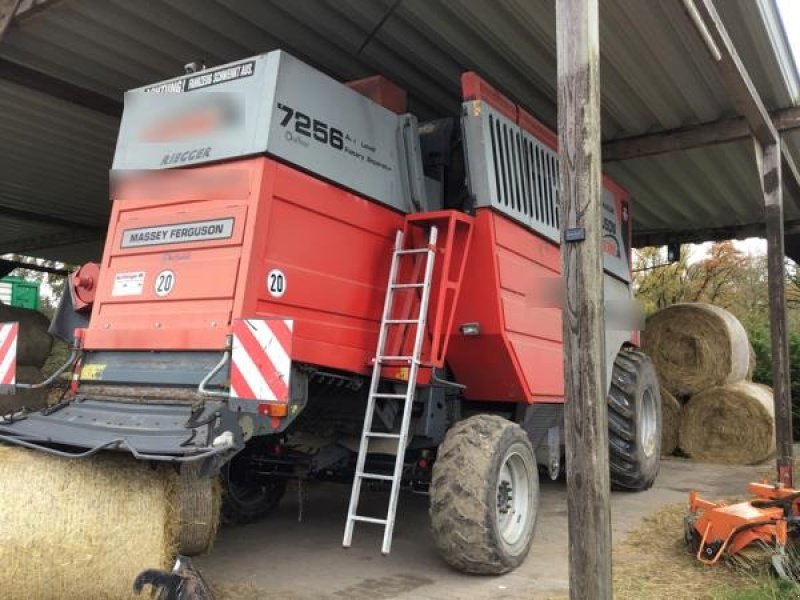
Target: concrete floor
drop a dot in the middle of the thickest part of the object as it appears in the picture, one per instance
(291, 560)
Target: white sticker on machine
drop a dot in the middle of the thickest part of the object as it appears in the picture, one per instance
(276, 283)
(128, 284)
(164, 283)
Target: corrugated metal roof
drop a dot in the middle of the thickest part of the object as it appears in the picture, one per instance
(655, 74)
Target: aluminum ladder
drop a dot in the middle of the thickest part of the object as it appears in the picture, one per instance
(382, 360)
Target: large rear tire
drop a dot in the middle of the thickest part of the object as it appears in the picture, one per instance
(634, 422)
(484, 495)
(246, 499)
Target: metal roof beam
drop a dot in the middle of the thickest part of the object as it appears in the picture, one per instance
(29, 8)
(694, 136)
(8, 8)
(16, 213)
(58, 88)
(18, 10)
(53, 240)
(705, 19)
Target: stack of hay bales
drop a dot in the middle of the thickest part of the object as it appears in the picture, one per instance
(81, 529)
(704, 361)
(33, 349)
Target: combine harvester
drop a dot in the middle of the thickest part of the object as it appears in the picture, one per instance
(301, 281)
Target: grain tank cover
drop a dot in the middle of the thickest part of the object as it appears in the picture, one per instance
(269, 104)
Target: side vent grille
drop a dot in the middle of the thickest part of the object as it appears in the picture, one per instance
(521, 174)
(516, 174)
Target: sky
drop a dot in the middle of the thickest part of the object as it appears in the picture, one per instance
(790, 13)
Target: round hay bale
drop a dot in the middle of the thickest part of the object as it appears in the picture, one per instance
(670, 422)
(730, 424)
(751, 367)
(695, 347)
(198, 501)
(30, 399)
(81, 529)
(33, 345)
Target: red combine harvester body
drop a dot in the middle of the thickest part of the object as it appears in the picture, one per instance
(300, 282)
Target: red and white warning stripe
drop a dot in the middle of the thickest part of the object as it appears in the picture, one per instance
(261, 359)
(9, 332)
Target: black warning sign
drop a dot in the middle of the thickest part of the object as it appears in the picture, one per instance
(204, 79)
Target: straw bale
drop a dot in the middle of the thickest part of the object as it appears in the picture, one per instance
(670, 422)
(81, 529)
(731, 424)
(751, 368)
(33, 345)
(198, 501)
(696, 346)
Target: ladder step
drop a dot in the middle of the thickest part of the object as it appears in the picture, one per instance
(402, 321)
(380, 434)
(387, 395)
(369, 520)
(404, 286)
(411, 251)
(396, 358)
(376, 476)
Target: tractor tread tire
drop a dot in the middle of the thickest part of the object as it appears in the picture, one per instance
(632, 375)
(463, 494)
(238, 512)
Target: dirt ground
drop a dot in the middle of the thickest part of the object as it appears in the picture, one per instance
(283, 559)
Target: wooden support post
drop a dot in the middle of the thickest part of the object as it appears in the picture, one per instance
(586, 423)
(769, 163)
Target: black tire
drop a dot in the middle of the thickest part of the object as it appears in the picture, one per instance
(243, 502)
(472, 511)
(634, 422)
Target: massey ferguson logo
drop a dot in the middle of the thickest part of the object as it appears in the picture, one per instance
(175, 158)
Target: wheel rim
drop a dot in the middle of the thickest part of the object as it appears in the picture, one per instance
(513, 499)
(648, 423)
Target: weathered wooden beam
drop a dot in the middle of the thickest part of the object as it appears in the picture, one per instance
(769, 161)
(732, 71)
(645, 238)
(586, 420)
(790, 174)
(31, 8)
(8, 9)
(20, 10)
(693, 136)
(703, 17)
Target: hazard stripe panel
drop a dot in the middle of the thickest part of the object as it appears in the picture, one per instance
(261, 360)
(9, 332)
